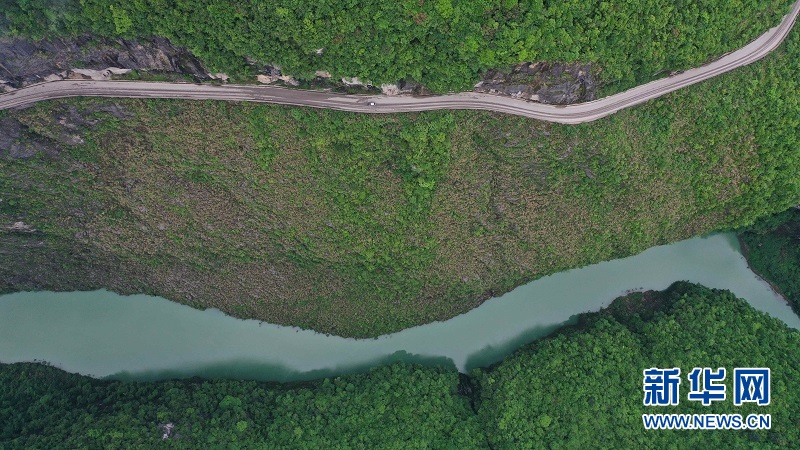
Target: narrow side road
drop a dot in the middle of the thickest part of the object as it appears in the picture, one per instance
(571, 114)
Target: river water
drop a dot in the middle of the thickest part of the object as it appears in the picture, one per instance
(148, 338)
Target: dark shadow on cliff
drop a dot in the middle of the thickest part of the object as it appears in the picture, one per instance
(244, 369)
(492, 354)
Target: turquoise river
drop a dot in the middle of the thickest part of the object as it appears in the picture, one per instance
(147, 338)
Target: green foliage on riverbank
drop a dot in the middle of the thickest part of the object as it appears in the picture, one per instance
(442, 44)
(581, 388)
(362, 225)
(390, 407)
(773, 252)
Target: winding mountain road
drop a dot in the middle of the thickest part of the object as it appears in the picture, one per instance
(571, 114)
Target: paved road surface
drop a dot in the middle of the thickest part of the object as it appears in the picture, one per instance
(578, 113)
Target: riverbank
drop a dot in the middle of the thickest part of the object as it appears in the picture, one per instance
(362, 225)
(771, 252)
(772, 284)
(546, 392)
(142, 338)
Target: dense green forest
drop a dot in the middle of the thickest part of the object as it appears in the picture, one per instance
(394, 406)
(581, 388)
(443, 44)
(361, 225)
(574, 390)
(773, 252)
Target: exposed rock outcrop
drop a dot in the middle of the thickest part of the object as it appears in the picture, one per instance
(68, 122)
(355, 82)
(25, 61)
(554, 83)
(269, 79)
(17, 143)
(18, 227)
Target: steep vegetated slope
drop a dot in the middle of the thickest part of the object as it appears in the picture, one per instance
(443, 44)
(576, 390)
(773, 252)
(581, 388)
(360, 224)
(396, 406)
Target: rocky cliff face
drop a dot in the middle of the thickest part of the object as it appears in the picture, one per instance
(554, 83)
(25, 61)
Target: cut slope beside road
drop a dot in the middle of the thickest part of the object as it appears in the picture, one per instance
(571, 114)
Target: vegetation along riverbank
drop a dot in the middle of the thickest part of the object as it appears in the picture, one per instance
(772, 252)
(362, 225)
(580, 388)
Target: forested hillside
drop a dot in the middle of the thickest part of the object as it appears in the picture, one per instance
(773, 252)
(396, 407)
(443, 44)
(576, 390)
(361, 225)
(581, 388)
